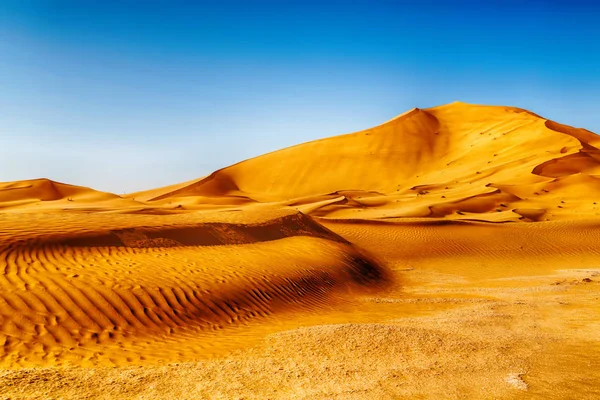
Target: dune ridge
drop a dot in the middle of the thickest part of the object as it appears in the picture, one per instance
(43, 195)
(123, 296)
(435, 163)
(46, 190)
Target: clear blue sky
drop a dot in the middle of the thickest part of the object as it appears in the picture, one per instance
(129, 95)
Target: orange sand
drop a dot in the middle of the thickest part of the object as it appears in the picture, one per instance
(448, 253)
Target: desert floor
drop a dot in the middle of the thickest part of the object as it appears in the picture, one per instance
(409, 309)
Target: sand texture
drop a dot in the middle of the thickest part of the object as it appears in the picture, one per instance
(450, 252)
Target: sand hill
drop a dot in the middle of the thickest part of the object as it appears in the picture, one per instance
(46, 195)
(35, 190)
(444, 161)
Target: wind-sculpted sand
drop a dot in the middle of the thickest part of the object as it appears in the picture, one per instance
(456, 161)
(126, 295)
(450, 252)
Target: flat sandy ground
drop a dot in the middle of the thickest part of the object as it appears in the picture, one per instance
(459, 310)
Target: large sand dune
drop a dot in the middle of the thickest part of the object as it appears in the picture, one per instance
(445, 161)
(450, 252)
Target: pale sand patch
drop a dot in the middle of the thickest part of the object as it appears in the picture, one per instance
(516, 380)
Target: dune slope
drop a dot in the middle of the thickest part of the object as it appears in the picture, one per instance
(116, 293)
(42, 195)
(458, 160)
(47, 190)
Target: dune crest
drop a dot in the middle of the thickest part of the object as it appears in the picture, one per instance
(44, 195)
(439, 162)
(47, 190)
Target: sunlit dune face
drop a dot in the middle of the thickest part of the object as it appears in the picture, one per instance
(457, 161)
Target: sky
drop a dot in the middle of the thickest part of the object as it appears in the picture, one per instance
(125, 95)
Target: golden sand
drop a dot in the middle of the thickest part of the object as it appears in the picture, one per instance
(451, 252)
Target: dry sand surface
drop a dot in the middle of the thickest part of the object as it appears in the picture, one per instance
(451, 252)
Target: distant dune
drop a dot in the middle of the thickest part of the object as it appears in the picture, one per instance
(46, 190)
(46, 195)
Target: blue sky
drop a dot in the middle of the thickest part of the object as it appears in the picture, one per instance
(130, 95)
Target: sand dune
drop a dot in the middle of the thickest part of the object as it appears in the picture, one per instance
(434, 162)
(46, 190)
(146, 195)
(115, 294)
(42, 195)
(450, 252)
